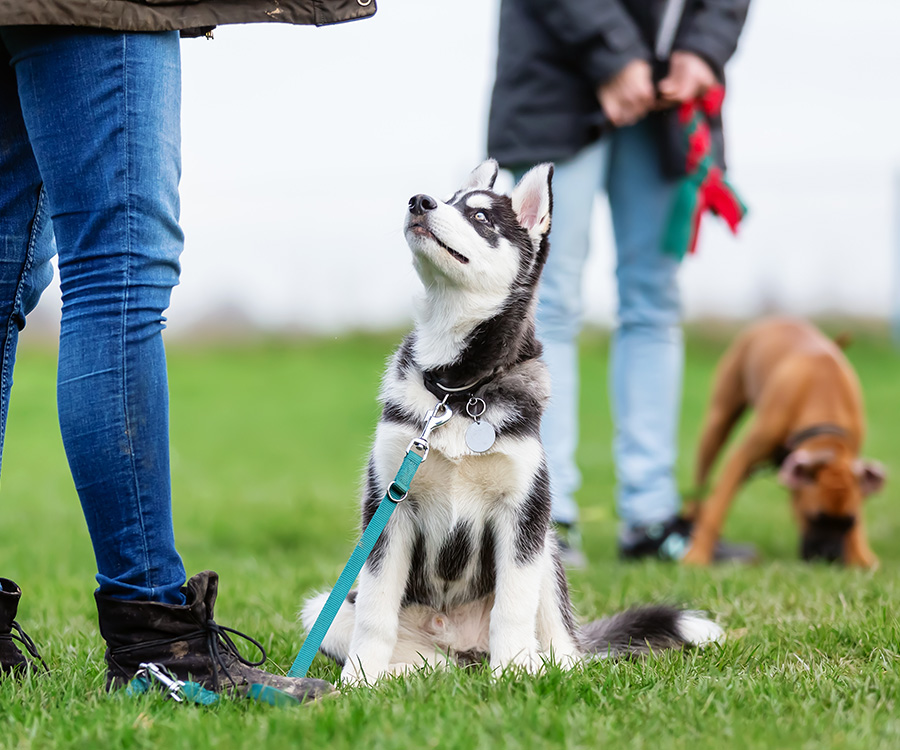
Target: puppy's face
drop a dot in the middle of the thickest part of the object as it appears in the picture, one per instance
(476, 240)
(828, 491)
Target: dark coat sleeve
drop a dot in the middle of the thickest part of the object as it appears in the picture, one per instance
(603, 35)
(711, 29)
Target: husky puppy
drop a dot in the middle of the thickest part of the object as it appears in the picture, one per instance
(468, 567)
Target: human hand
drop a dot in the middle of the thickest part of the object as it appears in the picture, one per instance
(629, 94)
(689, 77)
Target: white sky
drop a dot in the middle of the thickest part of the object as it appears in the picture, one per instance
(303, 145)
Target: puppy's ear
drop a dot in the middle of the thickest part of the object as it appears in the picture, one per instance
(870, 475)
(532, 200)
(799, 469)
(482, 177)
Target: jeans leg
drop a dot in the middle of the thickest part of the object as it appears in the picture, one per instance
(102, 110)
(559, 318)
(26, 240)
(648, 353)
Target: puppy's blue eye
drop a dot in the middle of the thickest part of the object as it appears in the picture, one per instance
(482, 217)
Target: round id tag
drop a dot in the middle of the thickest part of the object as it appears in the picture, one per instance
(481, 435)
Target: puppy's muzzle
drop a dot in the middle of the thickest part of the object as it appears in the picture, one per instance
(420, 204)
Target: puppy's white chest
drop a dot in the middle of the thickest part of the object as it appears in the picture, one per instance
(454, 473)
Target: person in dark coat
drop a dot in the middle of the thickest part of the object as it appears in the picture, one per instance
(90, 156)
(582, 83)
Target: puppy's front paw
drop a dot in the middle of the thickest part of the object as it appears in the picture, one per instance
(527, 660)
(356, 673)
(401, 668)
(564, 660)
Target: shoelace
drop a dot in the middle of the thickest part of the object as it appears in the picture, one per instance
(216, 633)
(26, 641)
(219, 645)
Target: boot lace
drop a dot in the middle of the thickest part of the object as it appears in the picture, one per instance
(22, 637)
(219, 644)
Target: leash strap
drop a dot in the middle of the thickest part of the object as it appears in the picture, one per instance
(354, 565)
(396, 492)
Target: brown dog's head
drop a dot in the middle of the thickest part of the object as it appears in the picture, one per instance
(828, 488)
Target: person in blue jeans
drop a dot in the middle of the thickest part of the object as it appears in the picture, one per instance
(90, 161)
(575, 85)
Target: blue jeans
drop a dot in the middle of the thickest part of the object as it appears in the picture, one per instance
(647, 353)
(90, 153)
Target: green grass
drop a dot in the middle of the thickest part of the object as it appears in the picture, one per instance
(268, 441)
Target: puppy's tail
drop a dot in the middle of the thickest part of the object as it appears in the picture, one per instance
(649, 628)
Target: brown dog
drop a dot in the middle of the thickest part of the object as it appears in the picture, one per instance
(809, 421)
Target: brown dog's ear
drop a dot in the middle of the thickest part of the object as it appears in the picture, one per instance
(870, 474)
(800, 467)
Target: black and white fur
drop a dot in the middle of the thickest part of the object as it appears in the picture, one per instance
(468, 567)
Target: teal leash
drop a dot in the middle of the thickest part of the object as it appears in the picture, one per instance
(182, 691)
(416, 453)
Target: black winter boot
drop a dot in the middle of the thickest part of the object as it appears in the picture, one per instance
(186, 641)
(12, 660)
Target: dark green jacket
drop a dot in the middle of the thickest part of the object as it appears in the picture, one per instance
(165, 15)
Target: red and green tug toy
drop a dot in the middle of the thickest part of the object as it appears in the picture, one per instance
(704, 188)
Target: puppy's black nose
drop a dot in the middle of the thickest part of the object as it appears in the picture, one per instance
(419, 204)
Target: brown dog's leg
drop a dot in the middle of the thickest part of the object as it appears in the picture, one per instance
(711, 516)
(728, 401)
(717, 426)
(708, 524)
(856, 547)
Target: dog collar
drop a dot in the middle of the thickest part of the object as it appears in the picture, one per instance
(825, 428)
(480, 435)
(441, 391)
(801, 436)
(446, 389)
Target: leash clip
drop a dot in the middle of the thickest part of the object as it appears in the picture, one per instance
(440, 414)
(174, 688)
